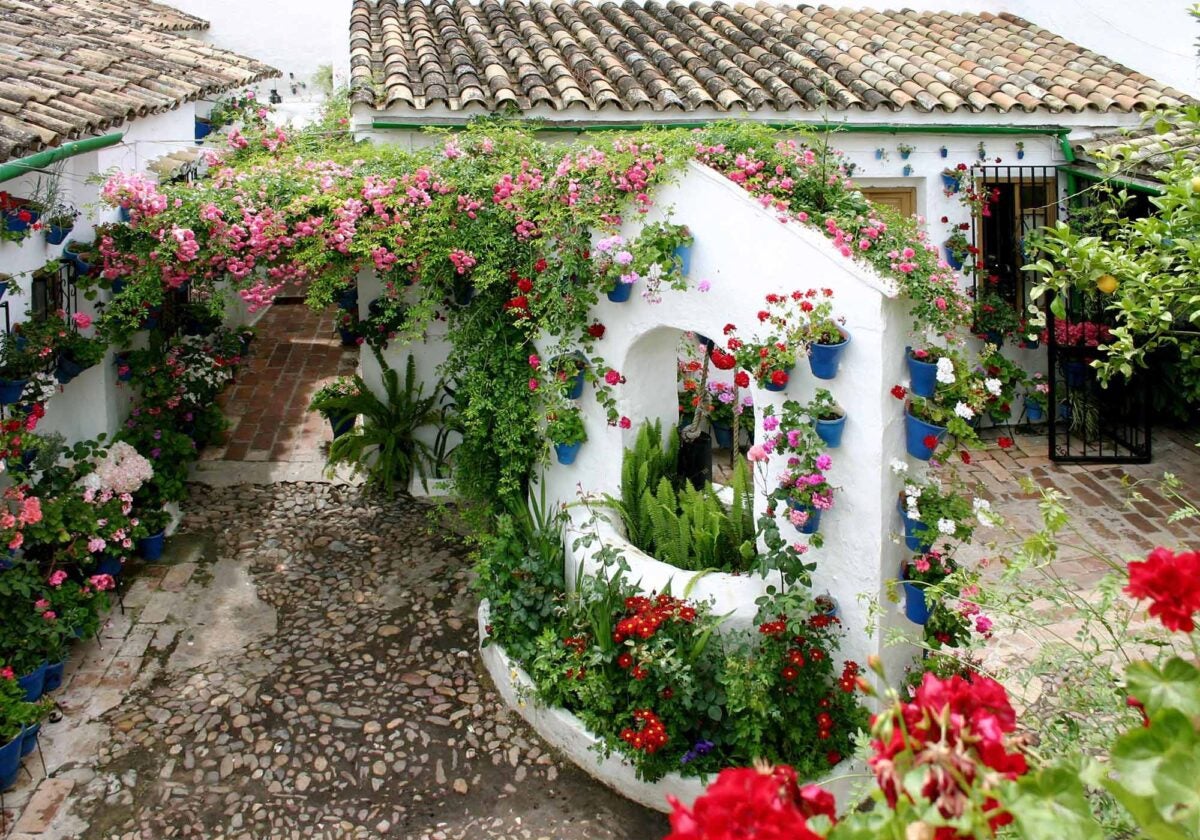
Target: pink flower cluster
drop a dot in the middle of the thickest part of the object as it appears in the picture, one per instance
(463, 261)
(133, 192)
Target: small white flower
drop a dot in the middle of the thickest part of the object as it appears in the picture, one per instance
(981, 504)
(983, 512)
(654, 272)
(899, 467)
(945, 371)
(964, 411)
(993, 386)
(946, 526)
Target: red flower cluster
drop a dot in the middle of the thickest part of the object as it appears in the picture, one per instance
(722, 360)
(779, 377)
(596, 330)
(1004, 442)
(645, 616)
(743, 802)
(899, 392)
(951, 728)
(650, 737)
(1171, 582)
(849, 679)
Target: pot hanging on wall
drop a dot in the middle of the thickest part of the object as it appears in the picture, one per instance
(916, 434)
(823, 359)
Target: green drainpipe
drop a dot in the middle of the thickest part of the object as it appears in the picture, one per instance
(30, 163)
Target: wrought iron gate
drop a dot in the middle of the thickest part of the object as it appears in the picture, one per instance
(1090, 423)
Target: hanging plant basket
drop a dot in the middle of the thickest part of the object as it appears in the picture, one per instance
(683, 253)
(11, 390)
(33, 683)
(10, 761)
(813, 523)
(823, 359)
(914, 531)
(573, 384)
(723, 435)
(831, 431)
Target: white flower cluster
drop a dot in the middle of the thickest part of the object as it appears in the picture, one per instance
(964, 411)
(945, 371)
(899, 467)
(993, 386)
(983, 512)
(946, 526)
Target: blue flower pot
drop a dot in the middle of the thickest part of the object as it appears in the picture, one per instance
(813, 524)
(620, 292)
(347, 299)
(566, 452)
(121, 360)
(951, 260)
(151, 547)
(33, 683)
(922, 377)
(11, 390)
(723, 435)
(915, 432)
(341, 423)
(118, 286)
(684, 254)
(916, 609)
(1030, 345)
(831, 431)
(771, 386)
(994, 337)
(110, 565)
(10, 761)
(950, 182)
(1064, 411)
(29, 739)
(914, 531)
(203, 129)
(54, 675)
(1075, 373)
(576, 390)
(67, 369)
(124, 214)
(349, 336)
(1034, 413)
(57, 235)
(823, 359)
(13, 223)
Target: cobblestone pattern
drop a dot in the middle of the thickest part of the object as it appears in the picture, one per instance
(359, 710)
(297, 351)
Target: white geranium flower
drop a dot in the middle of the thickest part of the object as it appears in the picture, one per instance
(993, 386)
(983, 512)
(964, 411)
(946, 526)
(945, 371)
(899, 467)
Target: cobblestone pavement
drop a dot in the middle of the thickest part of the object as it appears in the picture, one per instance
(296, 352)
(306, 667)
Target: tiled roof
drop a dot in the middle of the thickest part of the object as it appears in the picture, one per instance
(71, 68)
(665, 57)
(1142, 152)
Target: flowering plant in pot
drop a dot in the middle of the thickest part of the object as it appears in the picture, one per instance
(76, 352)
(771, 355)
(329, 402)
(564, 427)
(653, 258)
(828, 417)
(958, 247)
(57, 222)
(1001, 378)
(957, 400)
(18, 717)
(994, 317)
(803, 485)
(938, 510)
(18, 215)
(722, 406)
(822, 332)
(1037, 396)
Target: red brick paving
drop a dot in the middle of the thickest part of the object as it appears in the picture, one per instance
(296, 351)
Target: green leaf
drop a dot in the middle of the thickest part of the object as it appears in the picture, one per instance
(1175, 686)
(1051, 805)
(1155, 772)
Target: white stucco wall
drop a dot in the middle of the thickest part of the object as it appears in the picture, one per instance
(293, 36)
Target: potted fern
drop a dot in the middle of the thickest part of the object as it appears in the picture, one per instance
(564, 427)
(385, 447)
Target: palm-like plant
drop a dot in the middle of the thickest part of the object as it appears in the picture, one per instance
(385, 446)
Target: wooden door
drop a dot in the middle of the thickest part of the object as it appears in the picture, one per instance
(901, 199)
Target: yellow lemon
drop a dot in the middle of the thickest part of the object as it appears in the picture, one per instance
(1106, 283)
(1196, 184)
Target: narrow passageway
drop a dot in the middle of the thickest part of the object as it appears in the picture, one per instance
(296, 350)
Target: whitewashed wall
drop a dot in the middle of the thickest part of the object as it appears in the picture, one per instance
(745, 253)
(95, 402)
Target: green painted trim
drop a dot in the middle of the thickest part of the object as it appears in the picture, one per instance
(31, 163)
(851, 128)
(1088, 175)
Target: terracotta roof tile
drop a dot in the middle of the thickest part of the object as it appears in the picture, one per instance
(665, 56)
(70, 68)
(1142, 152)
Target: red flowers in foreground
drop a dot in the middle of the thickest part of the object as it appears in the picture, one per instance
(952, 731)
(1171, 582)
(763, 803)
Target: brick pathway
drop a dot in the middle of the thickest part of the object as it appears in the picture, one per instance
(296, 351)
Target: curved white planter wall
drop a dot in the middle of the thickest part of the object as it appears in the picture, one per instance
(567, 734)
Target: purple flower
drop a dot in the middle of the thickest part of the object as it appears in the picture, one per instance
(157, 434)
(155, 452)
(704, 285)
(824, 462)
(770, 423)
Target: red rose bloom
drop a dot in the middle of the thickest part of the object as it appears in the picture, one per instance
(722, 360)
(779, 377)
(741, 379)
(525, 285)
(1171, 582)
(540, 266)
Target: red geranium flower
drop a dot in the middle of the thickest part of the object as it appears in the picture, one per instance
(765, 803)
(899, 391)
(540, 266)
(1005, 442)
(1172, 584)
(779, 377)
(763, 315)
(525, 285)
(741, 379)
(596, 330)
(930, 441)
(722, 360)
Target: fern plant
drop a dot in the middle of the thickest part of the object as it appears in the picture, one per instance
(385, 446)
(643, 468)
